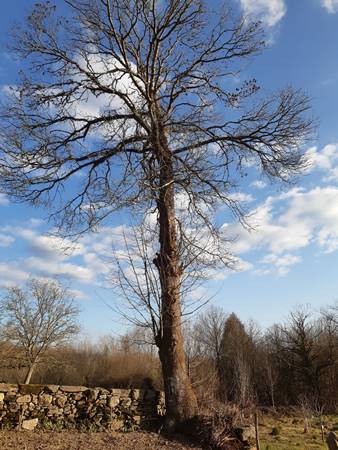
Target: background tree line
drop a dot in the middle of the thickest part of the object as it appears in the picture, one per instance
(292, 363)
(289, 364)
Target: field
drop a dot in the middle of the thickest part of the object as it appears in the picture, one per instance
(287, 433)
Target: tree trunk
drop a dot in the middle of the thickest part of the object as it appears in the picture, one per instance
(258, 445)
(29, 373)
(181, 403)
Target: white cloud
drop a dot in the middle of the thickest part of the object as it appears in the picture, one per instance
(10, 274)
(91, 106)
(324, 159)
(35, 223)
(84, 261)
(49, 256)
(279, 265)
(241, 197)
(259, 184)
(96, 263)
(3, 200)
(282, 226)
(76, 293)
(57, 269)
(102, 242)
(9, 89)
(287, 223)
(270, 12)
(331, 6)
(5, 240)
(49, 246)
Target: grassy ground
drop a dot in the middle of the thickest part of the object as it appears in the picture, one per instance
(287, 432)
(277, 432)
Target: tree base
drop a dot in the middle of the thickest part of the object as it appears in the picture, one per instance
(212, 433)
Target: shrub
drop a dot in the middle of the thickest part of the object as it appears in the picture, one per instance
(275, 431)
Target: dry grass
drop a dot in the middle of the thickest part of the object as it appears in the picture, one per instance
(290, 432)
(16, 440)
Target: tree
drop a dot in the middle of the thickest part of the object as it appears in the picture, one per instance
(168, 125)
(270, 367)
(235, 370)
(305, 346)
(37, 318)
(209, 330)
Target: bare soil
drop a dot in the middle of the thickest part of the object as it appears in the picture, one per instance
(52, 440)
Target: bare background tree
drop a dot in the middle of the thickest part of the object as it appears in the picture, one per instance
(37, 318)
(167, 123)
(209, 329)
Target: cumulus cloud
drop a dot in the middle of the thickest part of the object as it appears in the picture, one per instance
(49, 245)
(60, 269)
(325, 159)
(49, 256)
(279, 265)
(270, 12)
(331, 6)
(287, 223)
(85, 261)
(102, 242)
(322, 159)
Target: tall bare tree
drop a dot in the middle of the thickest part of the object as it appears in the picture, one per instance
(137, 97)
(37, 318)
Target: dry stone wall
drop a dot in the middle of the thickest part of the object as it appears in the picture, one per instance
(58, 407)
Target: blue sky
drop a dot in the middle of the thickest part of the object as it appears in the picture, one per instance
(290, 258)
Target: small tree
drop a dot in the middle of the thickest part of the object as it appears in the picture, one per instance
(37, 318)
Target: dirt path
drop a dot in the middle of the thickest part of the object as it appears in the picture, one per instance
(15, 440)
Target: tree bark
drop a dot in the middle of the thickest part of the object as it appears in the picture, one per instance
(181, 403)
(29, 373)
(258, 445)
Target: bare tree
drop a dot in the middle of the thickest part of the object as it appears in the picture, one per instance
(166, 123)
(270, 373)
(209, 330)
(301, 340)
(330, 314)
(201, 364)
(136, 283)
(243, 383)
(38, 318)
